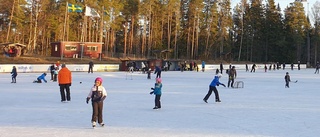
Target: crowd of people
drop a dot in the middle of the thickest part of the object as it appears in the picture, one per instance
(59, 72)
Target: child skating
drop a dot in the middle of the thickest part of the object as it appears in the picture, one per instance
(40, 78)
(157, 92)
(97, 95)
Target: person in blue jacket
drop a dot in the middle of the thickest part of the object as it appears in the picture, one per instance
(215, 82)
(203, 65)
(157, 92)
(40, 78)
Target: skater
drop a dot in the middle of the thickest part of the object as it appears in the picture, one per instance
(55, 74)
(149, 73)
(40, 78)
(287, 79)
(317, 68)
(90, 67)
(203, 64)
(292, 66)
(217, 71)
(247, 68)
(157, 92)
(97, 95)
(253, 68)
(221, 67)
(232, 75)
(265, 68)
(64, 80)
(298, 65)
(215, 82)
(52, 69)
(283, 66)
(14, 74)
(158, 72)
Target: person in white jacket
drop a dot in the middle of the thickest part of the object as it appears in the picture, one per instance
(97, 95)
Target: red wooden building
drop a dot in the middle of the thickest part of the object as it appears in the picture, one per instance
(70, 49)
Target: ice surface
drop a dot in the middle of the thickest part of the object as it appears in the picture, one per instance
(263, 108)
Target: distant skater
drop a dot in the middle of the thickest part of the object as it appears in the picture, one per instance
(253, 68)
(287, 79)
(14, 74)
(232, 75)
(212, 87)
(90, 70)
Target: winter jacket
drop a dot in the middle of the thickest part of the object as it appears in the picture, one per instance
(232, 73)
(215, 82)
(158, 69)
(14, 72)
(157, 88)
(64, 76)
(42, 77)
(287, 78)
(97, 93)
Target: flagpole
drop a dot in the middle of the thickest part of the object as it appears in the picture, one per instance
(65, 22)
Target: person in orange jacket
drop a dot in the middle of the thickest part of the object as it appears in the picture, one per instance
(64, 80)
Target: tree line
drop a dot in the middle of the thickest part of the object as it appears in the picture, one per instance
(253, 30)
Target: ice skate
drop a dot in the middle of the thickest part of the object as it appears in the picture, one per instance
(93, 124)
(101, 124)
(205, 100)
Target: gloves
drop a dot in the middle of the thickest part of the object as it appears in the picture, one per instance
(152, 88)
(151, 92)
(70, 84)
(87, 100)
(104, 97)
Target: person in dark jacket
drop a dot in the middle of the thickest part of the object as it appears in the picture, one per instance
(52, 69)
(221, 67)
(287, 79)
(212, 87)
(158, 72)
(90, 67)
(97, 95)
(14, 74)
(232, 75)
(40, 78)
(253, 68)
(157, 92)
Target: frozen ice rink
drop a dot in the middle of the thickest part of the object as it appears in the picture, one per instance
(263, 108)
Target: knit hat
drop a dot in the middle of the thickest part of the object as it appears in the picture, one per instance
(219, 75)
(158, 80)
(98, 79)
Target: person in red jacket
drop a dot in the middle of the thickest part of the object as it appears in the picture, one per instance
(64, 80)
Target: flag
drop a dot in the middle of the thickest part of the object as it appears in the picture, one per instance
(74, 8)
(91, 12)
(301, 0)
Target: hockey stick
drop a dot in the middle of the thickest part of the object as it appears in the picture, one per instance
(294, 81)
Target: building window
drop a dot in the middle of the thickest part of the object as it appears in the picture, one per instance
(92, 48)
(55, 47)
(71, 48)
